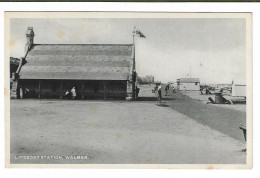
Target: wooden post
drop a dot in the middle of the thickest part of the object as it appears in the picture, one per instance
(82, 90)
(39, 96)
(133, 85)
(129, 90)
(105, 89)
(61, 89)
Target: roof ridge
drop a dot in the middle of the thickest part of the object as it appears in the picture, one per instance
(86, 44)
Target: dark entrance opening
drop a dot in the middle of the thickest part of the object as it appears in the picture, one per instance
(85, 89)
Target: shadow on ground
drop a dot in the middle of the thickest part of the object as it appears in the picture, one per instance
(151, 99)
(224, 120)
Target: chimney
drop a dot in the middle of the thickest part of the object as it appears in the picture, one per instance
(29, 38)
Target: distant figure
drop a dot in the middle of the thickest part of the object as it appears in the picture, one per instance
(166, 89)
(184, 89)
(67, 93)
(207, 91)
(159, 93)
(73, 93)
(154, 89)
(26, 92)
(201, 89)
(137, 92)
(173, 90)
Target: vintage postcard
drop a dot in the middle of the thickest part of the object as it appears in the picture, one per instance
(128, 90)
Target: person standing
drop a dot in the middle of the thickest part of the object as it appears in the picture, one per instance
(166, 89)
(173, 90)
(73, 93)
(184, 89)
(137, 92)
(159, 93)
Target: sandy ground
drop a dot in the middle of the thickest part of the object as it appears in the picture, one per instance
(137, 132)
(204, 98)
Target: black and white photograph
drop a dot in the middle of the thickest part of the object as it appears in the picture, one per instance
(107, 89)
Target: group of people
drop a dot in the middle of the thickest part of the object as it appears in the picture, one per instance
(207, 91)
(167, 88)
(72, 93)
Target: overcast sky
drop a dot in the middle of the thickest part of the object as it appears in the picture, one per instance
(211, 49)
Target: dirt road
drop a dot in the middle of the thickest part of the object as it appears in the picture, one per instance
(137, 132)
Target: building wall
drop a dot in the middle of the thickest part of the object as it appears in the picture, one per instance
(85, 89)
(189, 86)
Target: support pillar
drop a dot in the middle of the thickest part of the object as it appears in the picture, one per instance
(61, 89)
(105, 90)
(39, 82)
(133, 84)
(129, 90)
(21, 92)
(82, 90)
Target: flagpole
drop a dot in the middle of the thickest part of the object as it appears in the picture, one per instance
(134, 49)
(133, 73)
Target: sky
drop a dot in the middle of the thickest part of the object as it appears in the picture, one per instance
(213, 50)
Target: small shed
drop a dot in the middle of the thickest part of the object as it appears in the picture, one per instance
(239, 88)
(190, 84)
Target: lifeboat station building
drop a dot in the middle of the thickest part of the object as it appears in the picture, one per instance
(97, 71)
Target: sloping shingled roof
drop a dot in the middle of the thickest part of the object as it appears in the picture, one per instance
(189, 80)
(78, 62)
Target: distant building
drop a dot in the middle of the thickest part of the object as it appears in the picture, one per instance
(14, 63)
(223, 85)
(192, 84)
(148, 79)
(239, 88)
(96, 70)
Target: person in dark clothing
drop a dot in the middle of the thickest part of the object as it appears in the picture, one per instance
(137, 92)
(154, 89)
(166, 89)
(201, 90)
(173, 90)
(207, 91)
(159, 93)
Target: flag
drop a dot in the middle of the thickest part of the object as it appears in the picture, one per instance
(139, 33)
